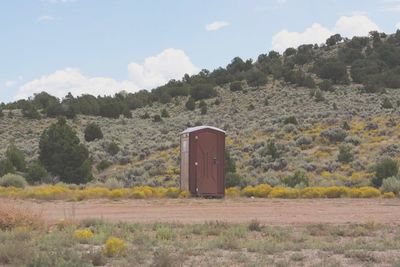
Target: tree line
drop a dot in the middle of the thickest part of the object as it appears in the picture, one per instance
(374, 61)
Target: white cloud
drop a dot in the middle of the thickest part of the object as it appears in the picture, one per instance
(398, 25)
(314, 34)
(46, 18)
(347, 26)
(155, 71)
(216, 25)
(357, 25)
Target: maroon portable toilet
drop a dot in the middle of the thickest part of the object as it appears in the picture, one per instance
(203, 160)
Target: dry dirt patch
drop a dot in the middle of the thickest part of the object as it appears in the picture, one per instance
(268, 211)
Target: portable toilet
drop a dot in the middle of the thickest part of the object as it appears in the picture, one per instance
(202, 161)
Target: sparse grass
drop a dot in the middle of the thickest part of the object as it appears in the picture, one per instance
(172, 244)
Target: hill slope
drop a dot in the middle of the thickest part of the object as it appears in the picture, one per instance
(278, 125)
(150, 150)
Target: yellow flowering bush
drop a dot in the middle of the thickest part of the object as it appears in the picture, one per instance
(173, 192)
(388, 195)
(232, 192)
(249, 191)
(368, 192)
(138, 194)
(118, 193)
(83, 235)
(184, 194)
(312, 192)
(336, 191)
(49, 192)
(114, 247)
(262, 190)
(284, 192)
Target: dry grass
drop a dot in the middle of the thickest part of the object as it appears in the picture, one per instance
(12, 217)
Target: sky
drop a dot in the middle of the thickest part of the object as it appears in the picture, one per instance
(101, 47)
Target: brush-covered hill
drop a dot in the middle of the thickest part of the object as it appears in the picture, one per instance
(316, 115)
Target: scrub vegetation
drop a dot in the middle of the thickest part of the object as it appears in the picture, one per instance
(27, 241)
(315, 116)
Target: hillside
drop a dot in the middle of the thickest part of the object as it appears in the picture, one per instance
(277, 127)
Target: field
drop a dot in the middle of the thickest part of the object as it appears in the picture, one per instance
(201, 232)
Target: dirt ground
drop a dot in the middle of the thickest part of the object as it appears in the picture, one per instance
(267, 211)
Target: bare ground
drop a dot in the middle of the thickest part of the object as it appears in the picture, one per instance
(268, 211)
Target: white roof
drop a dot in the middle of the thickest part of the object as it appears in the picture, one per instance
(196, 128)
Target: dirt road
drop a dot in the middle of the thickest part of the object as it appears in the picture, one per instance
(268, 211)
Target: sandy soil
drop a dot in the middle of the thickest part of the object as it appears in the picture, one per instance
(268, 211)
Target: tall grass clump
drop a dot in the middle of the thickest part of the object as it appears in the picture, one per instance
(13, 180)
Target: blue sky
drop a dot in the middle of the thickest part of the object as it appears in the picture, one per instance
(103, 46)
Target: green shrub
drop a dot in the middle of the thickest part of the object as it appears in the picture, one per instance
(165, 233)
(37, 173)
(157, 118)
(334, 135)
(93, 132)
(145, 116)
(16, 157)
(114, 183)
(202, 91)
(331, 68)
(345, 154)
(13, 180)
(319, 96)
(384, 169)
(236, 86)
(112, 148)
(272, 150)
(386, 103)
(391, 184)
(251, 107)
(6, 166)
(190, 104)
(164, 113)
(232, 179)
(29, 111)
(345, 126)
(255, 225)
(203, 110)
(102, 165)
(255, 77)
(291, 120)
(298, 178)
(326, 85)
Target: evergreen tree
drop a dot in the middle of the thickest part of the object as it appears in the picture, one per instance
(93, 132)
(190, 104)
(164, 113)
(62, 154)
(29, 111)
(6, 166)
(16, 157)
